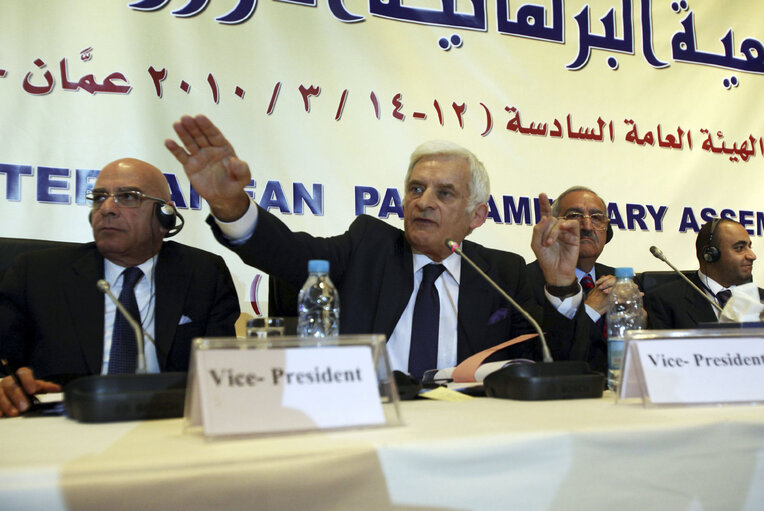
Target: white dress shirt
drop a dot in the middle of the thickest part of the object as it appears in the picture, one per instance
(712, 288)
(447, 284)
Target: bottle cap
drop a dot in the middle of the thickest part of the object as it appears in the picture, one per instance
(318, 266)
(624, 273)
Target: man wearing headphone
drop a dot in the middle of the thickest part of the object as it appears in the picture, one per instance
(582, 204)
(55, 324)
(723, 249)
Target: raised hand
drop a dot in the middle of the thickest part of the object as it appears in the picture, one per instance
(555, 243)
(211, 164)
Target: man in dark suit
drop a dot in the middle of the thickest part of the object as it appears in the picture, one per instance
(56, 324)
(382, 272)
(723, 249)
(586, 207)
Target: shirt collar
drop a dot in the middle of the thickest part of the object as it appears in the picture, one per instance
(711, 284)
(112, 271)
(453, 264)
(581, 274)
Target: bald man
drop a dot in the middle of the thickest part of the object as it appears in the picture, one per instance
(55, 324)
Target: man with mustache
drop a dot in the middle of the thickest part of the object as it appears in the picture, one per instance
(383, 274)
(56, 325)
(723, 249)
(582, 205)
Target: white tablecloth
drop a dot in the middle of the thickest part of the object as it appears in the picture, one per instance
(485, 454)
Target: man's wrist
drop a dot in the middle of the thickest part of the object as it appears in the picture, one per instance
(230, 210)
(564, 291)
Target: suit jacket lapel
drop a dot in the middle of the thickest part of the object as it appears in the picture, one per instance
(172, 279)
(86, 305)
(474, 309)
(699, 310)
(397, 286)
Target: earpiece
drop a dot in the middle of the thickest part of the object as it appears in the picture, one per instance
(168, 217)
(711, 253)
(609, 235)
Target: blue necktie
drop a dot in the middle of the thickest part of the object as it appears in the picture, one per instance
(123, 357)
(423, 353)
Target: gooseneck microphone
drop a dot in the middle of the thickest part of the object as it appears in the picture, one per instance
(126, 397)
(658, 253)
(105, 288)
(547, 356)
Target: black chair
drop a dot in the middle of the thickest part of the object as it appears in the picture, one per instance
(648, 280)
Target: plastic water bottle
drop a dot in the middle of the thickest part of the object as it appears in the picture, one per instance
(624, 312)
(318, 303)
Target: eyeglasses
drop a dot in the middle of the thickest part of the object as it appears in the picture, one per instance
(599, 220)
(125, 199)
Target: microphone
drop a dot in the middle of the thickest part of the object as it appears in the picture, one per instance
(658, 253)
(547, 356)
(105, 288)
(532, 382)
(126, 397)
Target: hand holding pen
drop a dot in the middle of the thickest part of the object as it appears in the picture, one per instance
(17, 390)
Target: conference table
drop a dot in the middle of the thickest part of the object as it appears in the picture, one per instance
(482, 454)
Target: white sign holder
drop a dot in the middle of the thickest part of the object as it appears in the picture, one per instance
(260, 386)
(693, 367)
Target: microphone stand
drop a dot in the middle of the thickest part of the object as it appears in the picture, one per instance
(105, 288)
(658, 253)
(532, 382)
(545, 353)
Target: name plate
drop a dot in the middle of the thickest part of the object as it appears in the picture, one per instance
(283, 389)
(694, 367)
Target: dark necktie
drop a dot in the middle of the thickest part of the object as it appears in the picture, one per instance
(723, 297)
(423, 352)
(587, 283)
(123, 357)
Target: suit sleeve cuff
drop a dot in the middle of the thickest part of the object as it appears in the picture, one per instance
(593, 314)
(239, 231)
(568, 306)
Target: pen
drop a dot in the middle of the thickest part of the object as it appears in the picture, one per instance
(32, 400)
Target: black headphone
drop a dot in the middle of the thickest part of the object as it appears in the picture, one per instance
(711, 253)
(609, 235)
(167, 216)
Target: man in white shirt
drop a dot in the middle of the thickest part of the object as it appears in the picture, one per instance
(589, 209)
(54, 322)
(723, 249)
(379, 269)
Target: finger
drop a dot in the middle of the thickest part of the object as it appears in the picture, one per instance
(541, 231)
(6, 406)
(12, 400)
(212, 133)
(185, 136)
(569, 231)
(26, 376)
(180, 154)
(237, 170)
(43, 387)
(544, 207)
(192, 127)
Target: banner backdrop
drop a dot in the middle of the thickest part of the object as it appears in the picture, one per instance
(651, 104)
